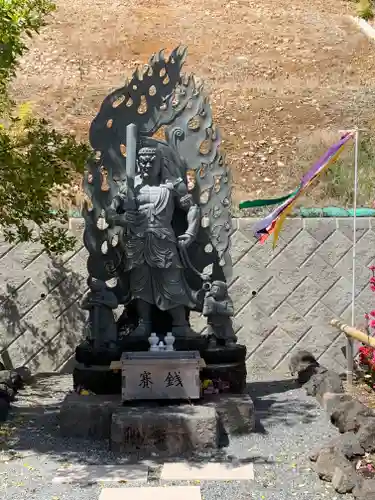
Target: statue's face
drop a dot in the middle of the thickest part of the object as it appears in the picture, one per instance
(149, 166)
(218, 291)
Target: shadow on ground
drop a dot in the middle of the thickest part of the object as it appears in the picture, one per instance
(34, 424)
(274, 403)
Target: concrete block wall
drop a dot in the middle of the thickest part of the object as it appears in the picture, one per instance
(301, 286)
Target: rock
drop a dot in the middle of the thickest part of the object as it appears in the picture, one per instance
(7, 392)
(25, 374)
(236, 412)
(329, 458)
(11, 379)
(349, 415)
(365, 490)
(302, 363)
(323, 381)
(4, 409)
(350, 445)
(345, 478)
(366, 434)
(314, 455)
(345, 444)
(164, 430)
(87, 416)
(331, 400)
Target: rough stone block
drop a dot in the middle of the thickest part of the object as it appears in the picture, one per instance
(347, 444)
(366, 434)
(331, 400)
(365, 490)
(328, 460)
(323, 381)
(345, 478)
(87, 416)
(349, 415)
(164, 430)
(236, 412)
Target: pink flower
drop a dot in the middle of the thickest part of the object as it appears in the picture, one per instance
(367, 316)
(372, 323)
(372, 313)
(372, 268)
(372, 287)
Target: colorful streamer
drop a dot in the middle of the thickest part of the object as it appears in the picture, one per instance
(274, 221)
(264, 203)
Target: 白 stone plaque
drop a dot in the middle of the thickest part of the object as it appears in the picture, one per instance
(161, 375)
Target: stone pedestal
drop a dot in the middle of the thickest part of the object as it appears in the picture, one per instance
(152, 428)
(87, 417)
(168, 430)
(223, 364)
(230, 376)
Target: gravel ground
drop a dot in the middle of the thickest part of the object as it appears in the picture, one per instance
(289, 425)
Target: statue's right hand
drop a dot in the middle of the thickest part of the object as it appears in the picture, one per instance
(132, 217)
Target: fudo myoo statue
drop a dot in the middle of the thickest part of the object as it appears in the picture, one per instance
(160, 197)
(151, 247)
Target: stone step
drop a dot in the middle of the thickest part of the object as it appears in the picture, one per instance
(92, 474)
(212, 471)
(152, 493)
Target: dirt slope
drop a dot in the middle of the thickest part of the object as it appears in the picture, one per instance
(284, 76)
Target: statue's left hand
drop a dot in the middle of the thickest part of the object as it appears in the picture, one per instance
(185, 240)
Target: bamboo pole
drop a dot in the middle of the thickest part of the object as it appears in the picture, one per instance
(353, 333)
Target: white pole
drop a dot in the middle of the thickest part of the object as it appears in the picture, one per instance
(349, 341)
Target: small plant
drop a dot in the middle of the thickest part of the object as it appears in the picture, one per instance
(364, 9)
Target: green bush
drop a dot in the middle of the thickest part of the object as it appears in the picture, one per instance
(34, 158)
(364, 9)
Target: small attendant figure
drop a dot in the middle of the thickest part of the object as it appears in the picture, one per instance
(100, 301)
(218, 309)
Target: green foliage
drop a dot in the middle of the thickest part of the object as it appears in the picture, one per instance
(364, 9)
(338, 181)
(34, 158)
(17, 19)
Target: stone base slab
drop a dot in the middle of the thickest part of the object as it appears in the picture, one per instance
(164, 430)
(87, 417)
(151, 428)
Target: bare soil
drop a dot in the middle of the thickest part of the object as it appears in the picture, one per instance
(284, 77)
(363, 393)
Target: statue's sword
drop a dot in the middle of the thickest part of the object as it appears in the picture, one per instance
(131, 156)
